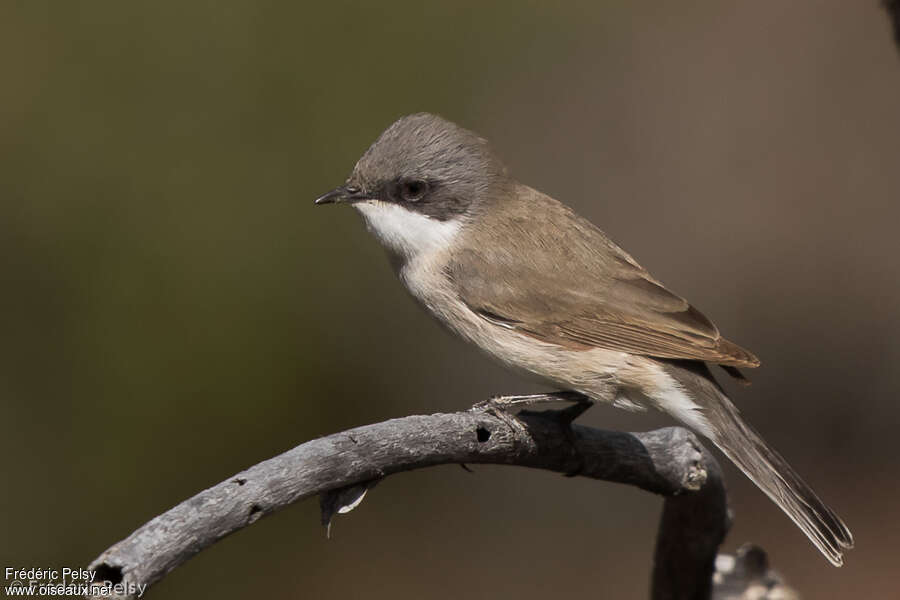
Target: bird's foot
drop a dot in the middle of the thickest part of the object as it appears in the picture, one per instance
(502, 407)
(514, 402)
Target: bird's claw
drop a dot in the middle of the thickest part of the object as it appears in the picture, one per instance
(497, 407)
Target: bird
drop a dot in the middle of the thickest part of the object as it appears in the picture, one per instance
(546, 292)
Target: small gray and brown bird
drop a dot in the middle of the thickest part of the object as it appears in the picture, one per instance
(543, 290)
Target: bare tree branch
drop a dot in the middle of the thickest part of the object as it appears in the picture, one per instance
(340, 467)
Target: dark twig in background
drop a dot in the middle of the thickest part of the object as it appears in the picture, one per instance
(893, 8)
(340, 468)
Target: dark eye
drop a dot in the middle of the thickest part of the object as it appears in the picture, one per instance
(412, 190)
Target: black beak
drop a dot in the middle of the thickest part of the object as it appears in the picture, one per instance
(341, 194)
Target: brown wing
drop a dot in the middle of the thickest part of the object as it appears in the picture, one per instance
(585, 293)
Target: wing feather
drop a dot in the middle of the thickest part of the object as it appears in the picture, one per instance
(582, 291)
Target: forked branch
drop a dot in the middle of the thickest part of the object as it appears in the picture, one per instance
(340, 467)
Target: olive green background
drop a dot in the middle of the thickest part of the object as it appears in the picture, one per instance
(173, 308)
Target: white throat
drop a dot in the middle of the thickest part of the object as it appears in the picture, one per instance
(406, 232)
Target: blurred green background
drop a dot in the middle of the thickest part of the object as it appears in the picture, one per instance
(174, 309)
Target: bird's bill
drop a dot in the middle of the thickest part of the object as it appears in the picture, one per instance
(341, 194)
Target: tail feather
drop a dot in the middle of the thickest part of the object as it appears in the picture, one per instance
(763, 465)
(774, 476)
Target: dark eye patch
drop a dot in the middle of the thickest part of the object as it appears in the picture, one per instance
(424, 196)
(413, 190)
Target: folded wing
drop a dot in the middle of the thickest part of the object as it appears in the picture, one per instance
(581, 291)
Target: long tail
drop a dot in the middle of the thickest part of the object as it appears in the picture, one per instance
(762, 464)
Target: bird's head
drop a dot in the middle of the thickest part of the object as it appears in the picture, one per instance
(420, 182)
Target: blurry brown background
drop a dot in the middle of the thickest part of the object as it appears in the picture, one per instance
(174, 309)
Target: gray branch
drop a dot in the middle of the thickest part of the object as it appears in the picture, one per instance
(339, 467)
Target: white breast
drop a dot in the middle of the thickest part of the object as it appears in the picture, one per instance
(404, 231)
